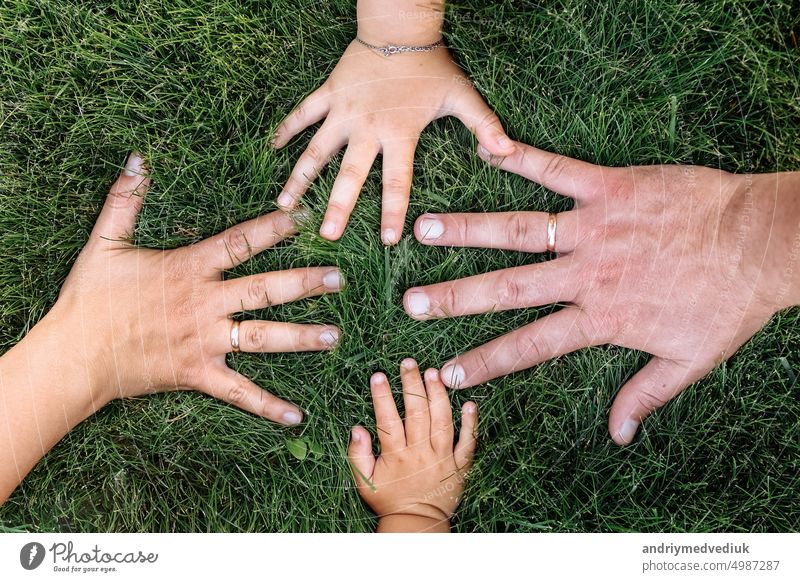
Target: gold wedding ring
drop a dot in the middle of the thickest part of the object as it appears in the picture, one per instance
(552, 224)
(235, 336)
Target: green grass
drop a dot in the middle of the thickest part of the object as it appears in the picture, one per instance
(199, 85)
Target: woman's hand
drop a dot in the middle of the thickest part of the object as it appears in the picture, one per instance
(683, 262)
(380, 105)
(160, 320)
(417, 481)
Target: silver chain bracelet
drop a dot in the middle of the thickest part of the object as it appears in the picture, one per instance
(392, 49)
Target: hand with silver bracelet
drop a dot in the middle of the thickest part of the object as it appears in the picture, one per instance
(390, 84)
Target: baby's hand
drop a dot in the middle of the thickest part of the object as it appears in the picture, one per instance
(416, 482)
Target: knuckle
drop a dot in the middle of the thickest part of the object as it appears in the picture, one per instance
(258, 291)
(396, 186)
(490, 120)
(313, 153)
(255, 337)
(510, 292)
(236, 394)
(608, 272)
(301, 111)
(651, 400)
(235, 240)
(449, 301)
(555, 168)
(530, 347)
(518, 229)
(351, 171)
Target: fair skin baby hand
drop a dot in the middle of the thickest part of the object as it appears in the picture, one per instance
(380, 105)
(416, 482)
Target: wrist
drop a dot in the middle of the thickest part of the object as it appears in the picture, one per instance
(62, 348)
(400, 22)
(412, 523)
(775, 249)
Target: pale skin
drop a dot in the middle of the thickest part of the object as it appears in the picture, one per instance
(131, 321)
(683, 262)
(380, 105)
(416, 483)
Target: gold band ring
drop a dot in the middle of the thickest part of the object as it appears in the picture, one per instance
(552, 225)
(235, 336)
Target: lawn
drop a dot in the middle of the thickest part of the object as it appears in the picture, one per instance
(199, 85)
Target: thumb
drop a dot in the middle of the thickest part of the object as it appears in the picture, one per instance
(650, 388)
(117, 219)
(473, 112)
(362, 461)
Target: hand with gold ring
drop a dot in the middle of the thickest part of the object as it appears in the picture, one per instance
(132, 321)
(683, 262)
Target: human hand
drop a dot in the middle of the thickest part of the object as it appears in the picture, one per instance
(150, 321)
(417, 481)
(676, 261)
(380, 105)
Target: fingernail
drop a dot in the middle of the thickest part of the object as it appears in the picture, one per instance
(453, 375)
(328, 229)
(285, 199)
(377, 378)
(483, 152)
(332, 280)
(418, 303)
(432, 374)
(628, 430)
(329, 337)
(470, 408)
(134, 166)
(430, 229)
(356, 435)
(389, 236)
(292, 417)
(504, 142)
(408, 364)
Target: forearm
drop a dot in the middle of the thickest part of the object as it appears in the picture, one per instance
(46, 389)
(407, 523)
(409, 22)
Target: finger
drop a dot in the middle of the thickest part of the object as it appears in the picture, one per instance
(476, 115)
(415, 401)
(514, 288)
(441, 414)
(353, 173)
(387, 420)
(239, 243)
(398, 172)
(464, 451)
(270, 337)
(560, 333)
(651, 388)
(322, 147)
(310, 111)
(563, 175)
(239, 391)
(359, 453)
(512, 231)
(117, 219)
(278, 287)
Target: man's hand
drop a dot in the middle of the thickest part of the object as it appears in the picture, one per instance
(682, 262)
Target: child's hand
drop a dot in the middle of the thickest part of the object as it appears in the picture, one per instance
(416, 483)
